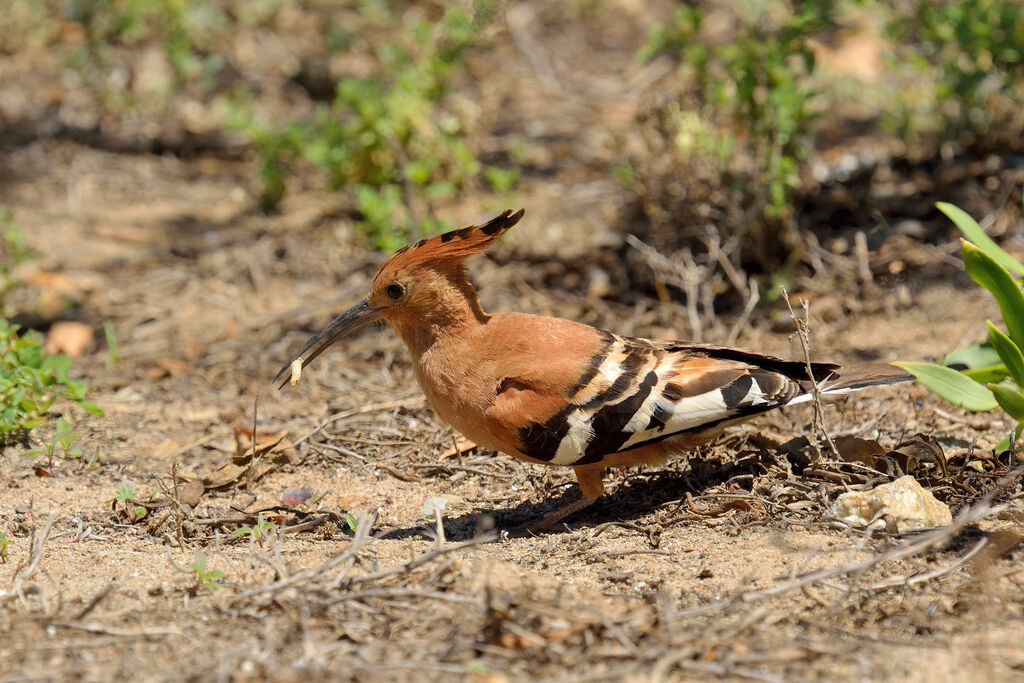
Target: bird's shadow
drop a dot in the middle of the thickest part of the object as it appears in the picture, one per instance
(632, 499)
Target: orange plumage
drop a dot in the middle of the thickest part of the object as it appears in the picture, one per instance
(558, 392)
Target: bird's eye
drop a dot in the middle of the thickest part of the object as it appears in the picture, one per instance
(395, 291)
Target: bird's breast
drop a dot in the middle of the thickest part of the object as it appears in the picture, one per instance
(459, 394)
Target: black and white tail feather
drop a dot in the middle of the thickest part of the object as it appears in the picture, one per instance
(849, 379)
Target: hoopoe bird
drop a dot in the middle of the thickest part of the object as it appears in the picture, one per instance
(557, 392)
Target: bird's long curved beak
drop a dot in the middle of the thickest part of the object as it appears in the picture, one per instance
(357, 316)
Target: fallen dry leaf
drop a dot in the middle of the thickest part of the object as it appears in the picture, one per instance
(236, 469)
(54, 282)
(921, 448)
(190, 492)
(70, 337)
(855, 449)
(264, 442)
(462, 445)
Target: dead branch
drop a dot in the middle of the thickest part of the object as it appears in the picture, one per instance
(37, 554)
(363, 526)
(376, 407)
(419, 561)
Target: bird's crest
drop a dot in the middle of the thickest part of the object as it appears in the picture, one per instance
(456, 244)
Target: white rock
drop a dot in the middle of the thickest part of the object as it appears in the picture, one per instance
(910, 506)
(441, 503)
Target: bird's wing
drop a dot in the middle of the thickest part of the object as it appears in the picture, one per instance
(633, 392)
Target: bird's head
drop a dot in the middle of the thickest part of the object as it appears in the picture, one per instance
(420, 290)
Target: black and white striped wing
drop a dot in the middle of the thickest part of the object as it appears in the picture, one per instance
(636, 392)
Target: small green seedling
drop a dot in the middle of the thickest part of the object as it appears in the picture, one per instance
(124, 502)
(4, 542)
(352, 522)
(204, 578)
(62, 445)
(991, 375)
(259, 531)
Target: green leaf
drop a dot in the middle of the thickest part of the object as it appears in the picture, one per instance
(973, 357)
(1008, 351)
(973, 232)
(993, 373)
(501, 180)
(91, 407)
(198, 562)
(993, 277)
(124, 494)
(1010, 400)
(951, 385)
(351, 520)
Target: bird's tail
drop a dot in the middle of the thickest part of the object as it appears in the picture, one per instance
(851, 378)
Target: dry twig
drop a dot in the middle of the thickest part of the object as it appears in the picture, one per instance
(37, 554)
(911, 548)
(803, 331)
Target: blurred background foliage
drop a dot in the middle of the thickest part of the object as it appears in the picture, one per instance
(376, 100)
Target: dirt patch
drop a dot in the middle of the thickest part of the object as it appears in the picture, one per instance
(607, 596)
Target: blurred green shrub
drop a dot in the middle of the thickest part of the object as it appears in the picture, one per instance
(753, 91)
(13, 251)
(973, 51)
(390, 137)
(31, 379)
(188, 32)
(387, 137)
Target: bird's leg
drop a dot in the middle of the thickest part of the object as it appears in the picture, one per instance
(591, 488)
(555, 516)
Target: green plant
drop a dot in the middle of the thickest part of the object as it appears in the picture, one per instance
(13, 251)
(204, 578)
(124, 503)
(259, 531)
(4, 542)
(352, 522)
(62, 445)
(755, 90)
(188, 32)
(992, 374)
(31, 380)
(388, 137)
(973, 50)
